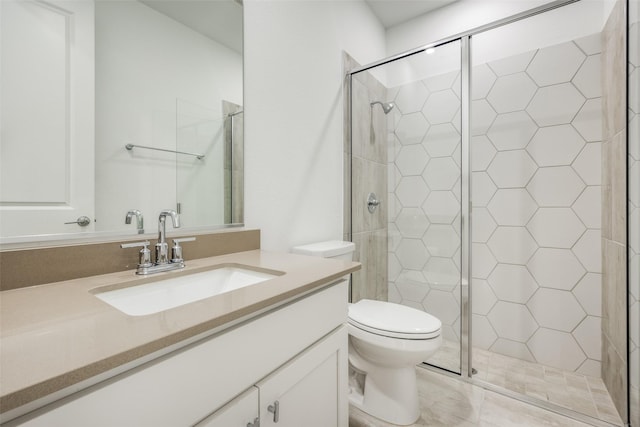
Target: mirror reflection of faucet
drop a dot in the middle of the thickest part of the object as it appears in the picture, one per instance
(162, 260)
(139, 219)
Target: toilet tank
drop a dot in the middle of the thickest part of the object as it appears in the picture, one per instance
(336, 249)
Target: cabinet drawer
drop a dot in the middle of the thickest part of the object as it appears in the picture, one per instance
(240, 412)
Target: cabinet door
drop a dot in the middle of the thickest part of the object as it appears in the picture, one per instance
(311, 389)
(240, 412)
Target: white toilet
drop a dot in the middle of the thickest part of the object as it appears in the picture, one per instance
(386, 342)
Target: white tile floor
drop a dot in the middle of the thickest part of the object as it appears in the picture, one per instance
(449, 402)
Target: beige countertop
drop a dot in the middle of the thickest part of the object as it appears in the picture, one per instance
(58, 335)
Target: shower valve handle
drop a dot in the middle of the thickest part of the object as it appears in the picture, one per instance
(372, 202)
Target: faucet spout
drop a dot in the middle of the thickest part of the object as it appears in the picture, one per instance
(175, 217)
(162, 249)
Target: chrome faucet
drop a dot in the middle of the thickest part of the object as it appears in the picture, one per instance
(139, 219)
(162, 262)
(162, 248)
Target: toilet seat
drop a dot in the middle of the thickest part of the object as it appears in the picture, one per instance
(393, 320)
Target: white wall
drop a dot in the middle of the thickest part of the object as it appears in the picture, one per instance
(465, 15)
(294, 113)
(149, 69)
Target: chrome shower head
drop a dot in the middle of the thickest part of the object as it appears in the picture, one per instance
(386, 106)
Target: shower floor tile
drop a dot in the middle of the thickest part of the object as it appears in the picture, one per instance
(580, 393)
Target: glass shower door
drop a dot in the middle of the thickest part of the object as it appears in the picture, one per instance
(542, 301)
(424, 190)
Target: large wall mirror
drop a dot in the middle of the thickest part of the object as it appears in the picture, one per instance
(111, 106)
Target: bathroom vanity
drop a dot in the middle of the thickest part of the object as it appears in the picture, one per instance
(273, 353)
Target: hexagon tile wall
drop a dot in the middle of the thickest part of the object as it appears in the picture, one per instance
(535, 153)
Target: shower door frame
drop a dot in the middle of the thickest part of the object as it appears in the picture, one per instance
(466, 360)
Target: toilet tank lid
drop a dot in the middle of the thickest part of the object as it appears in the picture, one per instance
(325, 249)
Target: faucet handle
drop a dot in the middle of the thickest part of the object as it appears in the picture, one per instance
(183, 239)
(135, 244)
(176, 249)
(144, 259)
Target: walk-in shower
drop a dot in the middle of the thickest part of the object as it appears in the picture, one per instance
(505, 202)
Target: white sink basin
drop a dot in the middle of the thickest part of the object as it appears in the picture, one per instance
(164, 294)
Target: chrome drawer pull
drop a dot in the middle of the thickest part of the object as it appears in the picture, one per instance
(275, 410)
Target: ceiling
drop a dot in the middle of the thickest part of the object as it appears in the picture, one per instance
(394, 12)
(220, 20)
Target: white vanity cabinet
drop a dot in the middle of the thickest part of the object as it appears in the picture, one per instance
(300, 393)
(295, 354)
(303, 392)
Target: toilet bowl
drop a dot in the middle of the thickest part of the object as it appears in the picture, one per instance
(386, 342)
